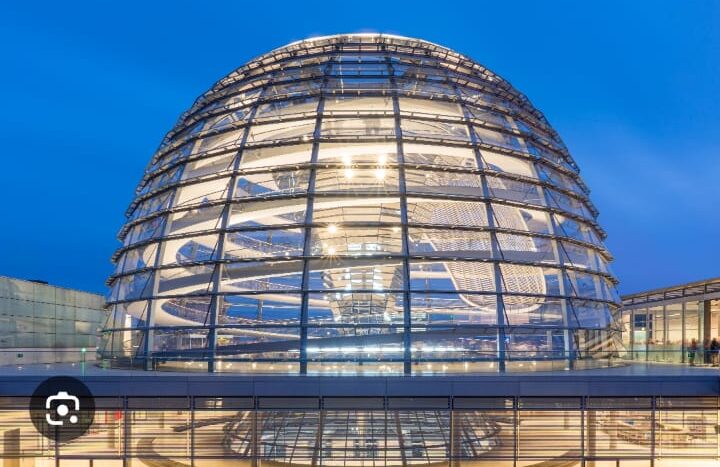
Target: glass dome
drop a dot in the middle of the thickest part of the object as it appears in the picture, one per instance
(361, 204)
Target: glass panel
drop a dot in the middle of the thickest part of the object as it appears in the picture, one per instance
(372, 307)
(268, 213)
(485, 436)
(578, 256)
(195, 220)
(147, 424)
(293, 89)
(352, 84)
(275, 156)
(282, 131)
(186, 280)
(287, 436)
(582, 285)
(451, 308)
(535, 311)
(149, 229)
(267, 308)
(452, 347)
(356, 435)
(449, 243)
(355, 274)
(554, 434)
(264, 244)
(432, 108)
(137, 258)
(444, 183)
(226, 139)
(514, 190)
(590, 314)
(355, 343)
(236, 433)
(673, 313)
(693, 311)
(201, 193)
(615, 433)
(133, 287)
(443, 156)
(189, 250)
(656, 337)
(447, 212)
(566, 203)
(357, 180)
(151, 205)
(355, 241)
(556, 178)
(267, 184)
(305, 106)
(468, 276)
(354, 104)
(686, 433)
(491, 117)
(523, 219)
(195, 309)
(507, 164)
(526, 249)
(358, 127)
(162, 180)
(435, 129)
(332, 210)
(281, 344)
(261, 276)
(574, 229)
(425, 88)
(497, 138)
(354, 153)
(228, 119)
(530, 279)
(208, 166)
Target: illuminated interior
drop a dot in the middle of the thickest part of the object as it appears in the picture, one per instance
(506, 432)
(362, 204)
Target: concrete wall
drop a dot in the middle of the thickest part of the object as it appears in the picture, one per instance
(40, 323)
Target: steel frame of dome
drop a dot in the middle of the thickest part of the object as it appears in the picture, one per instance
(414, 172)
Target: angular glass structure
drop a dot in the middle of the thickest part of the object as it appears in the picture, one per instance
(362, 204)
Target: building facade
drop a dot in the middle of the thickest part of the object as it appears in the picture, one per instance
(362, 204)
(674, 324)
(41, 323)
(594, 418)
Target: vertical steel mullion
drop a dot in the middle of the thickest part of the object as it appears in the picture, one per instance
(192, 430)
(494, 244)
(307, 244)
(632, 332)
(215, 300)
(407, 322)
(559, 249)
(683, 347)
(126, 430)
(317, 450)
(159, 252)
(665, 333)
(653, 431)
(583, 408)
(516, 429)
(400, 437)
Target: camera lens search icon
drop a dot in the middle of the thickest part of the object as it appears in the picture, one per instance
(62, 408)
(57, 416)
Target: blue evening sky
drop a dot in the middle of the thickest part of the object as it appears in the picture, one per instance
(89, 89)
